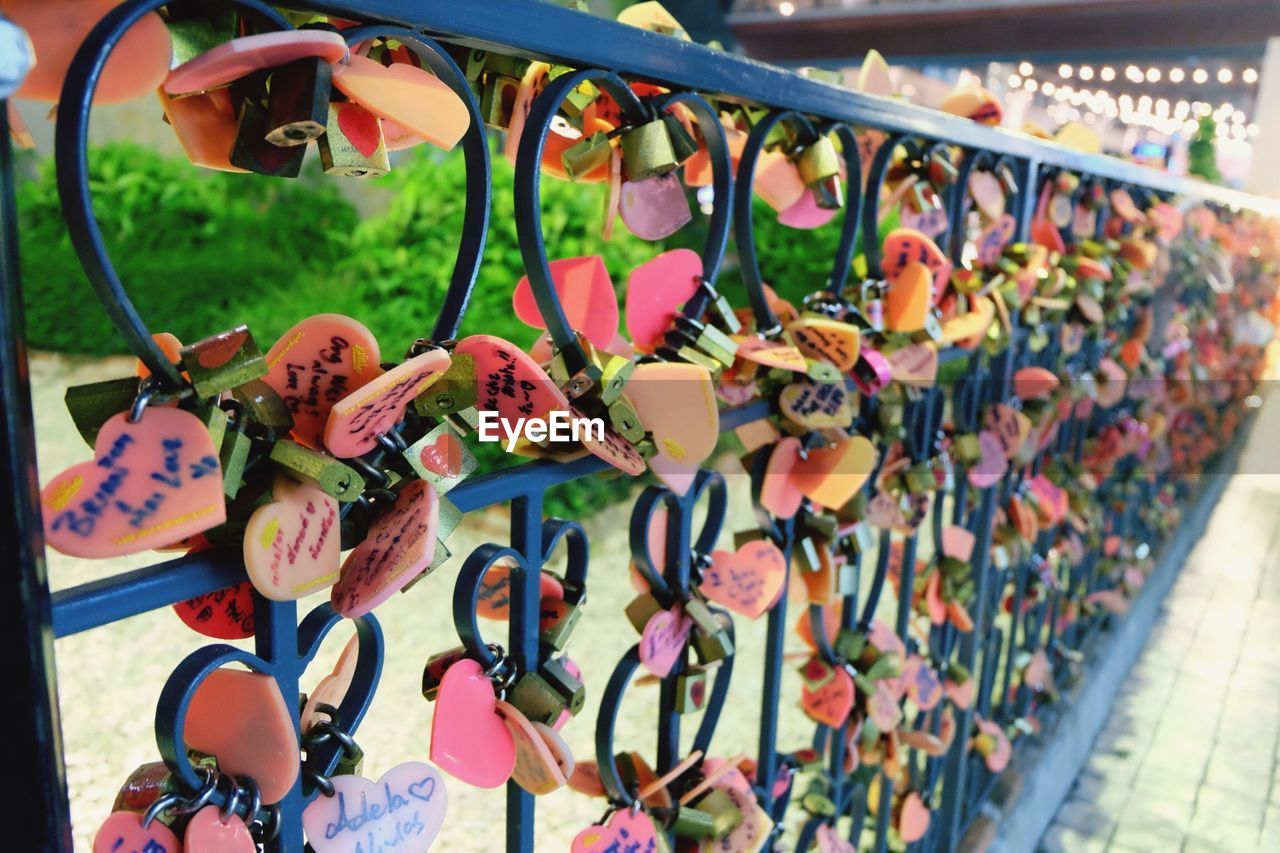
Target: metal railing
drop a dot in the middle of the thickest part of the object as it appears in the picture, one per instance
(957, 782)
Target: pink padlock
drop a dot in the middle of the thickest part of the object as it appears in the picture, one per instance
(872, 372)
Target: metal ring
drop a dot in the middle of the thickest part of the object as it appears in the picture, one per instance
(161, 804)
(320, 781)
(233, 799)
(146, 391)
(255, 798)
(265, 831)
(202, 797)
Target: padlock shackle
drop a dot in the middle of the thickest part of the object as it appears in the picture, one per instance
(71, 153)
(981, 160)
(186, 678)
(744, 225)
(924, 150)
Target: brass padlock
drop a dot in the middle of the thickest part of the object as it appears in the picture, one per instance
(823, 371)
(234, 457)
(692, 823)
(720, 308)
(92, 405)
(683, 145)
(725, 814)
(298, 101)
(703, 618)
(215, 420)
(687, 352)
(440, 448)
(452, 392)
(586, 155)
(849, 643)
(712, 647)
(497, 98)
(647, 151)
(691, 690)
(350, 761)
(805, 554)
(251, 150)
(544, 695)
(353, 145)
(819, 167)
(319, 469)
(556, 634)
(921, 478)
(625, 421)
(641, 609)
(616, 371)
(817, 798)
(709, 339)
(223, 361)
(433, 672)
(263, 406)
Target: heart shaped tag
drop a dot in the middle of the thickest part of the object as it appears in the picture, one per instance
(655, 208)
(909, 297)
(826, 340)
(150, 484)
(777, 181)
(123, 831)
(621, 832)
(905, 246)
(399, 546)
(957, 542)
(207, 832)
(356, 421)
(831, 476)
(663, 640)
(537, 769)
(805, 213)
(772, 354)
(205, 126)
(315, 364)
(1034, 383)
(224, 614)
(921, 683)
(469, 741)
(991, 465)
(994, 238)
(241, 718)
(829, 841)
(746, 581)
(240, 57)
(509, 382)
(913, 818)
(779, 493)
(915, 365)
(412, 97)
(331, 689)
(883, 708)
(816, 405)
(832, 701)
(677, 403)
(972, 324)
(612, 448)
(494, 600)
(656, 291)
(586, 295)
(291, 545)
(987, 193)
(404, 809)
(1009, 426)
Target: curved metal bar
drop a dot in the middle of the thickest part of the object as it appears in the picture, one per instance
(528, 179)
(475, 151)
(972, 162)
(871, 207)
(719, 693)
(466, 596)
(71, 151)
(606, 722)
(577, 555)
(184, 681)
(650, 500)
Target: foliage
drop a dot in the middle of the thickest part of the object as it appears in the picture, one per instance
(1202, 158)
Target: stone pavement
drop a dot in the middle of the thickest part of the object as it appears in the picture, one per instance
(1188, 758)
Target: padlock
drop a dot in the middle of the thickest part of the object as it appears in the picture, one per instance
(691, 354)
(647, 151)
(725, 814)
(709, 339)
(805, 556)
(233, 455)
(823, 525)
(817, 798)
(215, 420)
(703, 618)
(819, 167)
(579, 97)
(712, 647)
(350, 760)
(692, 823)
(720, 308)
(260, 404)
(251, 150)
(625, 421)
(319, 469)
(298, 101)
(223, 361)
(641, 609)
(968, 449)
(556, 635)
(92, 405)
(439, 446)
(846, 578)
(199, 33)
(920, 478)
(683, 145)
(353, 145)
(887, 665)
(464, 421)
(586, 155)
(144, 786)
(616, 370)
(691, 690)
(578, 384)
(497, 98)
(849, 643)
(823, 371)
(450, 517)
(433, 672)
(544, 695)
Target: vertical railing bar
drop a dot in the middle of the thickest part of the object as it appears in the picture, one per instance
(526, 537)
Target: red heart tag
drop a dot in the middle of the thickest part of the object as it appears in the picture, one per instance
(224, 614)
(443, 457)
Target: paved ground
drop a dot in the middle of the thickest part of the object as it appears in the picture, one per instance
(1188, 759)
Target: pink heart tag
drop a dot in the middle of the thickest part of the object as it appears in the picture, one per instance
(356, 421)
(994, 238)
(240, 57)
(537, 769)
(399, 547)
(404, 809)
(509, 382)
(291, 545)
(805, 213)
(831, 476)
(905, 246)
(151, 483)
(991, 465)
(469, 741)
(412, 97)
(122, 832)
(331, 689)
(224, 614)
(241, 718)
(315, 364)
(779, 493)
(1009, 426)
(444, 456)
(747, 581)
(769, 353)
(829, 841)
(613, 448)
(656, 291)
(677, 403)
(832, 702)
(957, 543)
(915, 365)
(883, 708)
(663, 640)
(623, 831)
(655, 208)
(207, 832)
(676, 476)
(586, 295)
(987, 193)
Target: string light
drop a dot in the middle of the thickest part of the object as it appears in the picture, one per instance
(1134, 73)
(1030, 85)
(1048, 88)
(786, 9)
(1025, 68)
(1108, 73)
(1086, 72)
(1200, 76)
(1250, 75)
(1153, 75)
(1176, 75)
(1065, 70)
(1224, 75)
(1015, 81)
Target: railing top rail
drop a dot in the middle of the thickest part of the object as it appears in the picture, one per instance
(548, 31)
